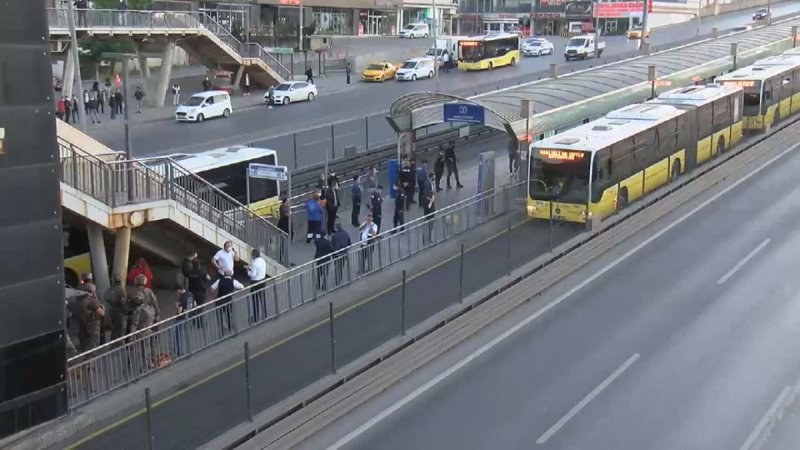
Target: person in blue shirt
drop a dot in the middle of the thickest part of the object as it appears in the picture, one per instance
(355, 193)
(314, 217)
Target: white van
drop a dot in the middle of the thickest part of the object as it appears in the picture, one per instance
(205, 105)
(414, 30)
(416, 68)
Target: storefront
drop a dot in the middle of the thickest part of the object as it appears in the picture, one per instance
(233, 16)
(616, 17)
(378, 22)
(415, 11)
(548, 17)
(334, 21)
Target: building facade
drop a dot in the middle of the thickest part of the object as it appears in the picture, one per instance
(486, 16)
(569, 17)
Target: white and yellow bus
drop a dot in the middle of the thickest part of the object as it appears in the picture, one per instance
(488, 52)
(599, 167)
(771, 90)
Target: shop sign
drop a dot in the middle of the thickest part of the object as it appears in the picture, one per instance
(385, 4)
(547, 15)
(611, 10)
(578, 10)
(289, 2)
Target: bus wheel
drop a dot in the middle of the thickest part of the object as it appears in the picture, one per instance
(676, 170)
(721, 145)
(622, 198)
(491, 66)
(513, 62)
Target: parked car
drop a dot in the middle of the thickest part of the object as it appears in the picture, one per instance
(205, 105)
(537, 47)
(414, 30)
(416, 68)
(379, 71)
(293, 91)
(762, 14)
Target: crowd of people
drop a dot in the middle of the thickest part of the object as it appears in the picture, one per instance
(97, 102)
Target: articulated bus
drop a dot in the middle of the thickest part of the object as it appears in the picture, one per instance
(771, 90)
(599, 167)
(488, 52)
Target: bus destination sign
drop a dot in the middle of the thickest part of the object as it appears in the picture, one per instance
(740, 83)
(561, 155)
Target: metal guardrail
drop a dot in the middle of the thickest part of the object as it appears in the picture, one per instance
(119, 183)
(165, 20)
(132, 357)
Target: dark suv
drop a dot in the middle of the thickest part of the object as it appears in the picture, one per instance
(761, 14)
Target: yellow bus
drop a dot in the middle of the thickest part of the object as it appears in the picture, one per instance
(771, 90)
(488, 52)
(715, 118)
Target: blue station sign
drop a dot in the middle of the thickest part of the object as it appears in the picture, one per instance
(463, 112)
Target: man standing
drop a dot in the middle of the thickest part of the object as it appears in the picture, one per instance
(340, 241)
(368, 231)
(257, 272)
(309, 75)
(224, 287)
(247, 84)
(452, 165)
(313, 217)
(399, 206)
(438, 168)
(198, 282)
(331, 204)
(206, 84)
(428, 208)
(75, 109)
(143, 304)
(322, 257)
(355, 194)
(176, 94)
(406, 177)
(446, 61)
(422, 178)
(184, 304)
(225, 258)
(115, 298)
(376, 206)
(139, 96)
(347, 71)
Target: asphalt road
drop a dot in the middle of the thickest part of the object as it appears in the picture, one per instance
(683, 344)
(311, 121)
(201, 413)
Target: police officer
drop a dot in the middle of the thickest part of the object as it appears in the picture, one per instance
(355, 194)
(399, 206)
(407, 181)
(438, 168)
(376, 206)
(116, 299)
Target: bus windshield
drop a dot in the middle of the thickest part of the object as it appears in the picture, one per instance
(565, 180)
(752, 100)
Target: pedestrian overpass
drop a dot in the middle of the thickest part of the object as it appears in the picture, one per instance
(159, 32)
(169, 213)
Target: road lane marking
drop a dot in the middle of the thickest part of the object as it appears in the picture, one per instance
(310, 328)
(447, 373)
(743, 261)
(765, 420)
(585, 401)
(328, 139)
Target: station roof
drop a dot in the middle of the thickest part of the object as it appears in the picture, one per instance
(550, 95)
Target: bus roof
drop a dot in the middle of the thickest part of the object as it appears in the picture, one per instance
(696, 95)
(615, 126)
(212, 159)
(764, 68)
(490, 37)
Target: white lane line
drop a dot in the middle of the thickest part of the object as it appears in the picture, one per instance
(489, 345)
(764, 422)
(328, 139)
(585, 401)
(743, 261)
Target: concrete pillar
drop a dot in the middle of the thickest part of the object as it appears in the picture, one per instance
(122, 249)
(553, 70)
(97, 253)
(237, 80)
(68, 80)
(160, 95)
(715, 32)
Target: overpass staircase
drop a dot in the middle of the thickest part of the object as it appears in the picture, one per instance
(164, 207)
(196, 32)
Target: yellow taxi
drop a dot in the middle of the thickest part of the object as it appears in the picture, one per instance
(636, 33)
(379, 71)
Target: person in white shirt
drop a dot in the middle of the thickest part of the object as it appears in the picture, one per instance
(257, 271)
(225, 258)
(369, 230)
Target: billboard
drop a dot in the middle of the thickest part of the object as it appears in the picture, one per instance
(613, 9)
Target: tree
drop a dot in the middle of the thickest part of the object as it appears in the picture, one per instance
(91, 50)
(140, 5)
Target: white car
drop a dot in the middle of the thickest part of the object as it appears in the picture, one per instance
(537, 47)
(414, 30)
(204, 105)
(292, 91)
(416, 68)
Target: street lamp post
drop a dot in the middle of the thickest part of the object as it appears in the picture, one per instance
(74, 44)
(435, 50)
(300, 27)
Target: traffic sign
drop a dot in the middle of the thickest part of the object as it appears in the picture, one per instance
(267, 171)
(463, 112)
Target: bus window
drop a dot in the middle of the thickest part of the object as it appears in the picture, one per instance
(722, 113)
(666, 138)
(645, 148)
(566, 180)
(705, 120)
(622, 156)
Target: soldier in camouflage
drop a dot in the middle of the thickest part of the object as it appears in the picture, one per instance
(116, 298)
(143, 305)
(92, 321)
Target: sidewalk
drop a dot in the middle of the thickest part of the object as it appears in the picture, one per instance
(302, 252)
(190, 78)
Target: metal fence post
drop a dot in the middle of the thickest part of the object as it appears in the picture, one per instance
(461, 275)
(333, 143)
(149, 407)
(333, 337)
(403, 305)
(508, 240)
(294, 140)
(247, 380)
(366, 133)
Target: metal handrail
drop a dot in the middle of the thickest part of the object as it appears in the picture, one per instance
(124, 360)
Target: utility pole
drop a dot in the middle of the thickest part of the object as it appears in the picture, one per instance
(596, 12)
(435, 50)
(74, 44)
(300, 28)
(644, 21)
